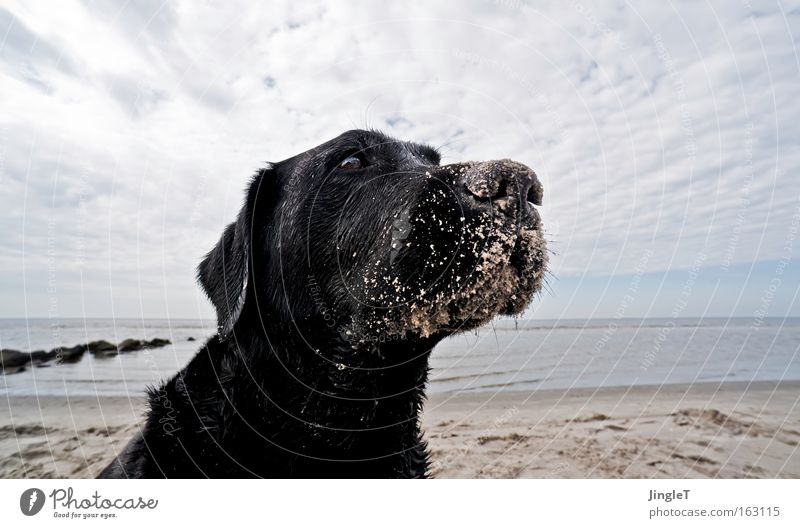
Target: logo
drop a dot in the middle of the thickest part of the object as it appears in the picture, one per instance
(31, 501)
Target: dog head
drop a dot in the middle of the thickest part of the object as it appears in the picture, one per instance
(370, 238)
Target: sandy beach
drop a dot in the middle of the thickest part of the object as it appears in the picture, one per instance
(699, 431)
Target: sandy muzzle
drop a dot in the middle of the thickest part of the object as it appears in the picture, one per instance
(497, 269)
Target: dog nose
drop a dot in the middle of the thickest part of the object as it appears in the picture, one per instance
(503, 183)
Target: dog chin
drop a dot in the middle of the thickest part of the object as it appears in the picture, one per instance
(511, 283)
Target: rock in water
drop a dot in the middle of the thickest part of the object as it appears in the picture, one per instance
(40, 356)
(130, 345)
(13, 360)
(101, 346)
(103, 349)
(70, 355)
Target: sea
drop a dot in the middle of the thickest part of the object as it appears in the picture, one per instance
(508, 355)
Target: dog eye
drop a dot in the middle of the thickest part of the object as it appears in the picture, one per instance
(351, 163)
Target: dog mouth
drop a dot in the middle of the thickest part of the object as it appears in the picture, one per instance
(508, 271)
(496, 268)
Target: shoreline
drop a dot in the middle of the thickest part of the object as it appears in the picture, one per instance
(701, 430)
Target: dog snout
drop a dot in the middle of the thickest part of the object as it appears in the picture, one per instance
(503, 184)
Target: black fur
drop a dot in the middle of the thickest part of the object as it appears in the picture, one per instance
(331, 288)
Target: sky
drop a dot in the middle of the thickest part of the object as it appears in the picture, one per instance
(666, 134)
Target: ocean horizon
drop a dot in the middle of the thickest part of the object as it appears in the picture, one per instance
(509, 354)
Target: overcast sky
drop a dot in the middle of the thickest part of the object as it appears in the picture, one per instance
(667, 136)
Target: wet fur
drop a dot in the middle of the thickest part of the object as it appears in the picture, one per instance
(321, 360)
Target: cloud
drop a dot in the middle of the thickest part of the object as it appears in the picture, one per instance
(128, 132)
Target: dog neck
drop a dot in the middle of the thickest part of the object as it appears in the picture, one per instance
(300, 367)
(268, 389)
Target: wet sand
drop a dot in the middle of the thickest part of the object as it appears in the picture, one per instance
(699, 431)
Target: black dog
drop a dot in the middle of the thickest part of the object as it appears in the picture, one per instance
(344, 268)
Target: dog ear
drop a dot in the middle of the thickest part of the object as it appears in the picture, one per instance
(225, 272)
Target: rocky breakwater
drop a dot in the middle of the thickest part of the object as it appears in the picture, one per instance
(13, 361)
